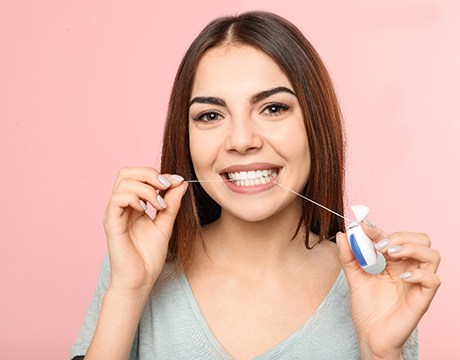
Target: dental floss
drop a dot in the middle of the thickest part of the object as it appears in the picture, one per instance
(286, 188)
(371, 260)
(199, 181)
(313, 202)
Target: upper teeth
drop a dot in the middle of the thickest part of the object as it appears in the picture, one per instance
(252, 177)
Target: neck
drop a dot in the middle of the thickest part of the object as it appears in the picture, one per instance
(233, 242)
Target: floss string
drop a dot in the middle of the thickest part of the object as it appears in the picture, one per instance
(286, 188)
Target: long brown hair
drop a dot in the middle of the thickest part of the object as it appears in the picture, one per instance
(297, 58)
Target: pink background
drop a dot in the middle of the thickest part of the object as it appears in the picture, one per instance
(84, 88)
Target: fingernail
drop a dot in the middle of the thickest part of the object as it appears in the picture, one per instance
(405, 275)
(177, 178)
(337, 240)
(162, 179)
(382, 244)
(143, 204)
(394, 249)
(369, 223)
(161, 202)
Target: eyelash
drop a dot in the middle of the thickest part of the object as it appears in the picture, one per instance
(201, 116)
(280, 109)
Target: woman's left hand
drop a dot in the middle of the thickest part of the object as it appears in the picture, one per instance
(387, 307)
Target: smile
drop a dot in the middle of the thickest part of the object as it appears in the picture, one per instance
(252, 177)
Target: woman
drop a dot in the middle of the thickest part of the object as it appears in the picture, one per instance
(255, 275)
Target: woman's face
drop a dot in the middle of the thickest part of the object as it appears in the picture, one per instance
(247, 129)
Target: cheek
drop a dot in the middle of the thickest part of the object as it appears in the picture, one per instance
(292, 141)
(203, 150)
(299, 153)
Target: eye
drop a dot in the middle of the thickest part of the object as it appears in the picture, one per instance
(275, 109)
(208, 116)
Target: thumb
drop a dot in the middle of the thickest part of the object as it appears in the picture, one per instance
(166, 217)
(348, 261)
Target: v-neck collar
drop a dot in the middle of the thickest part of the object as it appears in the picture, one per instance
(284, 345)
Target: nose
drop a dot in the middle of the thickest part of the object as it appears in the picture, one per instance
(243, 136)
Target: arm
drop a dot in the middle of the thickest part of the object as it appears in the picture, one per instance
(116, 328)
(137, 247)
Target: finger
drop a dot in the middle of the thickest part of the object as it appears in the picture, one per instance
(150, 176)
(428, 280)
(142, 191)
(119, 202)
(175, 179)
(400, 238)
(428, 258)
(373, 232)
(165, 218)
(143, 174)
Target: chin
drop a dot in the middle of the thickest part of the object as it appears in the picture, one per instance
(254, 214)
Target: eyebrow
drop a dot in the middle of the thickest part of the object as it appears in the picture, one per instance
(254, 98)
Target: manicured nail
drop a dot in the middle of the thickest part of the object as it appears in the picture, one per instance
(405, 275)
(177, 178)
(382, 244)
(337, 240)
(164, 181)
(394, 249)
(161, 202)
(369, 223)
(143, 204)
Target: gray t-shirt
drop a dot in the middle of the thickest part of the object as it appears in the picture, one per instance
(173, 327)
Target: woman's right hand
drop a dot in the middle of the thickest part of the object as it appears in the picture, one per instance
(137, 244)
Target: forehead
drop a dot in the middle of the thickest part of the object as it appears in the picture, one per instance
(236, 68)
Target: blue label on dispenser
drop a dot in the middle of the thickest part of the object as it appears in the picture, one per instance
(357, 251)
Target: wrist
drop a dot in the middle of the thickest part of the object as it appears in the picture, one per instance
(128, 296)
(368, 353)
